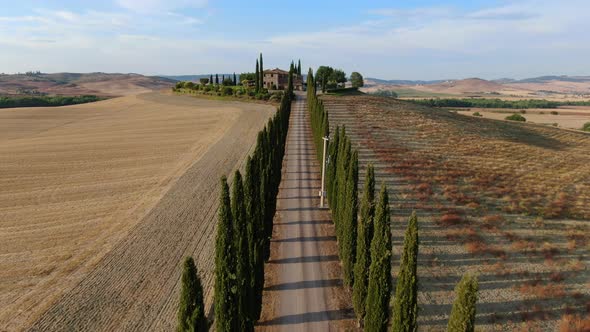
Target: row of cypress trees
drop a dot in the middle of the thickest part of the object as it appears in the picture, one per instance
(259, 79)
(365, 245)
(245, 228)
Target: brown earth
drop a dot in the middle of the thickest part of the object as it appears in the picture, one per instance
(100, 203)
(508, 201)
(100, 84)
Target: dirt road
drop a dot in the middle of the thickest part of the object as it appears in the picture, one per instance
(304, 289)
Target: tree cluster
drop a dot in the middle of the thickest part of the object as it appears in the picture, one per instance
(245, 227)
(328, 77)
(45, 101)
(497, 103)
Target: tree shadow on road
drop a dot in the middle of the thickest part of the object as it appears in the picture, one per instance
(306, 284)
(310, 317)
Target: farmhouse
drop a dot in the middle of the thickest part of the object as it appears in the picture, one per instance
(278, 79)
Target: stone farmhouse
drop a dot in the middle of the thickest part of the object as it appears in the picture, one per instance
(278, 79)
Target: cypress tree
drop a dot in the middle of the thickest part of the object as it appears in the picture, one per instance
(257, 77)
(299, 67)
(235, 81)
(349, 222)
(243, 268)
(379, 291)
(211, 79)
(222, 78)
(191, 312)
(290, 81)
(255, 235)
(331, 167)
(463, 313)
(216, 78)
(405, 308)
(363, 245)
(261, 79)
(226, 308)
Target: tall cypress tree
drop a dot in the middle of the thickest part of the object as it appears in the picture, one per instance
(299, 67)
(379, 291)
(216, 78)
(261, 79)
(235, 80)
(349, 221)
(463, 313)
(243, 268)
(405, 308)
(255, 234)
(226, 304)
(191, 312)
(331, 167)
(257, 77)
(211, 79)
(363, 245)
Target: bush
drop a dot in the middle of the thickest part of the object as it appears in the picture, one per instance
(477, 114)
(554, 113)
(586, 126)
(516, 117)
(522, 111)
(227, 91)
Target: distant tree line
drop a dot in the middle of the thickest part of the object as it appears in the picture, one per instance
(46, 101)
(364, 243)
(497, 103)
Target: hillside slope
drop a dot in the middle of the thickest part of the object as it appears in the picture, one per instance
(100, 84)
(509, 201)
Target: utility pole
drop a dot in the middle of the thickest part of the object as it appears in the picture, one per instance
(323, 192)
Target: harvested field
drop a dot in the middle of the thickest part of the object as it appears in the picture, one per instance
(509, 201)
(566, 117)
(100, 203)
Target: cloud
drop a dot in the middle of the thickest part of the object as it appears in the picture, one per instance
(154, 6)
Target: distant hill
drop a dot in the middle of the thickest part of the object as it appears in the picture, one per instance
(194, 78)
(100, 84)
(401, 82)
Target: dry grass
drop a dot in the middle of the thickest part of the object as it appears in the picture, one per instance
(76, 180)
(507, 200)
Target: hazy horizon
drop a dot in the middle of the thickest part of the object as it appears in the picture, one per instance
(424, 40)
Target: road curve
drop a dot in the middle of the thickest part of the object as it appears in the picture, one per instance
(304, 289)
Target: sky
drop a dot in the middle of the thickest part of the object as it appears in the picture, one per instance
(418, 39)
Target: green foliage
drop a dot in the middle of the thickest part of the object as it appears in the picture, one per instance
(497, 103)
(191, 311)
(516, 117)
(363, 245)
(586, 126)
(227, 91)
(227, 82)
(379, 290)
(405, 308)
(349, 221)
(204, 81)
(46, 101)
(226, 297)
(338, 76)
(322, 76)
(216, 79)
(384, 93)
(463, 313)
(243, 269)
(357, 80)
(211, 79)
(477, 114)
(245, 228)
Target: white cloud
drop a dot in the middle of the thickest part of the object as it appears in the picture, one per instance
(152, 6)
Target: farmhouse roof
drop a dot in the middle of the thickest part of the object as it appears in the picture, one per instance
(276, 71)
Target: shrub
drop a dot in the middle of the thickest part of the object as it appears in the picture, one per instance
(227, 91)
(516, 117)
(586, 126)
(477, 114)
(522, 111)
(554, 112)
(204, 81)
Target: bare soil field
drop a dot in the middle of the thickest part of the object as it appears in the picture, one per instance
(509, 201)
(100, 203)
(571, 117)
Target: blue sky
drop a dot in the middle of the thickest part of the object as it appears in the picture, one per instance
(419, 39)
